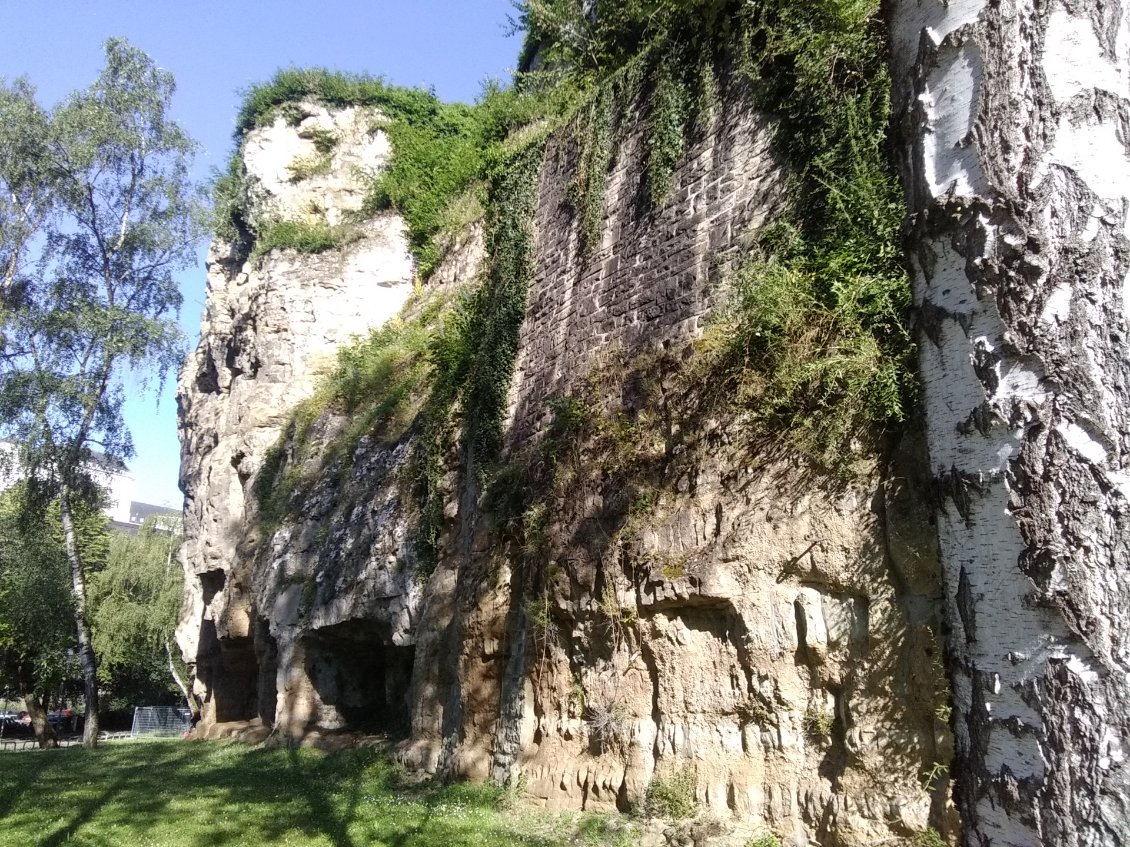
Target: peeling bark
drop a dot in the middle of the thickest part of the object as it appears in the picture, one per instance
(1015, 123)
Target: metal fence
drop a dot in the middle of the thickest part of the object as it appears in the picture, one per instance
(160, 720)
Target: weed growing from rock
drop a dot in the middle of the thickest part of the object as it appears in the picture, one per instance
(671, 794)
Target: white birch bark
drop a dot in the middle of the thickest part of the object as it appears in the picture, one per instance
(86, 656)
(1016, 126)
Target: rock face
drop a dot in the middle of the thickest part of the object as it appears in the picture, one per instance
(270, 327)
(742, 619)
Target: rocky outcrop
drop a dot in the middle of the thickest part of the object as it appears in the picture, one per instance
(679, 605)
(270, 328)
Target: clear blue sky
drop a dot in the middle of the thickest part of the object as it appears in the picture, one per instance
(216, 48)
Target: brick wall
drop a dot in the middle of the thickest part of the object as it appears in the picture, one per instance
(653, 275)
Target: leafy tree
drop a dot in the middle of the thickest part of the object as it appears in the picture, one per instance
(134, 604)
(37, 633)
(99, 216)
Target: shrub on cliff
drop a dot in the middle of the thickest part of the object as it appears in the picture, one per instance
(440, 155)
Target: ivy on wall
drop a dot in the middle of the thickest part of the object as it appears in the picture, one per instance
(813, 345)
(815, 342)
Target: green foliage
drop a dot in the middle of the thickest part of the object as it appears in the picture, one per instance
(440, 153)
(134, 605)
(303, 236)
(816, 343)
(929, 837)
(475, 344)
(378, 383)
(231, 189)
(935, 775)
(818, 722)
(666, 130)
(91, 264)
(437, 154)
(672, 795)
(306, 167)
(821, 309)
(662, 52)
(500, 304)
(441, 157)
(36, 610)
(325, 140)
(264, 102)
(767, 839)
(185, 795)
(37, 625)
(90, 284)
(595, 131)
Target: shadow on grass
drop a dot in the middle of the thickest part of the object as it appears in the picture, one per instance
(199, 794)
(334, 824)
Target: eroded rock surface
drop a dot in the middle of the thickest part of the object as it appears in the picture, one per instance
(750, 621)
(271, 326)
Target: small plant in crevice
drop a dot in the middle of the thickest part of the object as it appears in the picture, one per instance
(671, 794)
(928, 837)
(576, 701)
(307, 167)
(607, 724)
(325, 140)
(940, 683)
(767, 839)
(817, 722)
(539, 618)
(622, 621)
(753, 710)
(307, 236)
(935, 775)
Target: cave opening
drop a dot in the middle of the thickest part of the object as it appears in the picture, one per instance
(361, 679)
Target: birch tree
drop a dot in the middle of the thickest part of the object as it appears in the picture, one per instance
(97, 218)
(1015, 127)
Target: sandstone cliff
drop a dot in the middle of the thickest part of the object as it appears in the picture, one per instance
(647, 597)
(271, 325)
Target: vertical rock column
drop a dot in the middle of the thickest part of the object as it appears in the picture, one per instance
(271, 326)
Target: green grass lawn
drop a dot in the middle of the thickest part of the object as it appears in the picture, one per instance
(201, 794)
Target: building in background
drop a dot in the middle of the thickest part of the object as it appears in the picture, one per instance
(117, 482)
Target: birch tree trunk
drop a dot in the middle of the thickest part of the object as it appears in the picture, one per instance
(1015, 133)
(85, 643)
(193, 708)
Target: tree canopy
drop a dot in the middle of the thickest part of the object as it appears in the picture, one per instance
(97, 216)
(98, 213)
